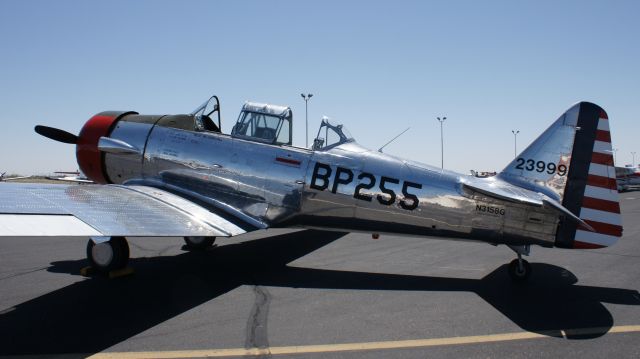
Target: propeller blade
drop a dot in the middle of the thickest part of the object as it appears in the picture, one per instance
(56, 134)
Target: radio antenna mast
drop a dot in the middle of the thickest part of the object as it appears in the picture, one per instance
(393, 139)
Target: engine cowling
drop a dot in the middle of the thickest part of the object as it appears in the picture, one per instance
(90, 159)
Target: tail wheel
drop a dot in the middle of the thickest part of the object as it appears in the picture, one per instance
(199, 243)
(519, 270)
(110, 255)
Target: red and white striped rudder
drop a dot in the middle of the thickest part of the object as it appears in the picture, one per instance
(600, 203)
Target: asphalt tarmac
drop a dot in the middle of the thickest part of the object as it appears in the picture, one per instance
(315, 294)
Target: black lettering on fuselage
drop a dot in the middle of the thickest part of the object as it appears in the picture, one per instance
(414, 199)
(364, 185)
(340, 180)
(324, 177)
(489, 209)
(389, 192)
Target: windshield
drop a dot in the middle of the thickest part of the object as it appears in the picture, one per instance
(204, 113)
(209, 107)
(330, 135)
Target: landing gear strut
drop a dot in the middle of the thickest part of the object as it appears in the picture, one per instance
(520, 269)
(107, 254)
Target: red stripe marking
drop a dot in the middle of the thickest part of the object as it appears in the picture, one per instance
(603, 115)
(604, 182)
(288, 161)
(605, 228)
(604, 136)
(601, 204)
(602, 159)
(585, 245)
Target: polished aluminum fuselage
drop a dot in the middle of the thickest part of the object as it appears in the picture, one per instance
(346, 187)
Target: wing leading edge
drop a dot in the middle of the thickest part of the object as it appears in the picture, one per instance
(105, 210)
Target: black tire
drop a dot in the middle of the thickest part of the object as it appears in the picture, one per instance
(110, 255)
(199, 243)
(517, 274)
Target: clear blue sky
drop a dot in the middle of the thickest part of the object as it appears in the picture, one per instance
(377, 67)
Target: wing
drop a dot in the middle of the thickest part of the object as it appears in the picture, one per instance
(107, 210)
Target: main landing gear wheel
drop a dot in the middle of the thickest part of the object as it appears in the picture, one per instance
(199, 243)
(106, 256)
(519, 270)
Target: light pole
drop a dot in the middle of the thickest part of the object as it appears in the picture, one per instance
(306, 117)
(633, 163)
(441, 120)
(515, 142)
(615, 156)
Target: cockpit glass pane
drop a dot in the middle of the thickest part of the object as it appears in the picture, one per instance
(245, 125)
(271, 122)
(258, 125)
(346, 132)
(266, 126)
(283, 135)
(331, 137)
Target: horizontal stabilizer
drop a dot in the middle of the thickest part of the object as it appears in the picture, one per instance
(504, 191)
(507, 192)
(557, 206)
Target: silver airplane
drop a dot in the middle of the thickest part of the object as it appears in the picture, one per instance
(178, 175)
(3, 178)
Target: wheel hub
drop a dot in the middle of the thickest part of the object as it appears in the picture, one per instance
(196, 240)
(102, 254)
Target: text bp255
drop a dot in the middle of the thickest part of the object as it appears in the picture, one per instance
(322, 180)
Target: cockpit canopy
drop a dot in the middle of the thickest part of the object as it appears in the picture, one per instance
(260, 122)
(330, 135)
(264, 123)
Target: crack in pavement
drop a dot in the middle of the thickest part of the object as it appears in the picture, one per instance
(23, 273)
(257, 324)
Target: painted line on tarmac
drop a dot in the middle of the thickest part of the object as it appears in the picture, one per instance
(330, 348)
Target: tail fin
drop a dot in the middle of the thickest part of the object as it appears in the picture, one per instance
(572, 162)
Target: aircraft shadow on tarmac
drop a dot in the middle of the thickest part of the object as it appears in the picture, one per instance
(92, 315)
